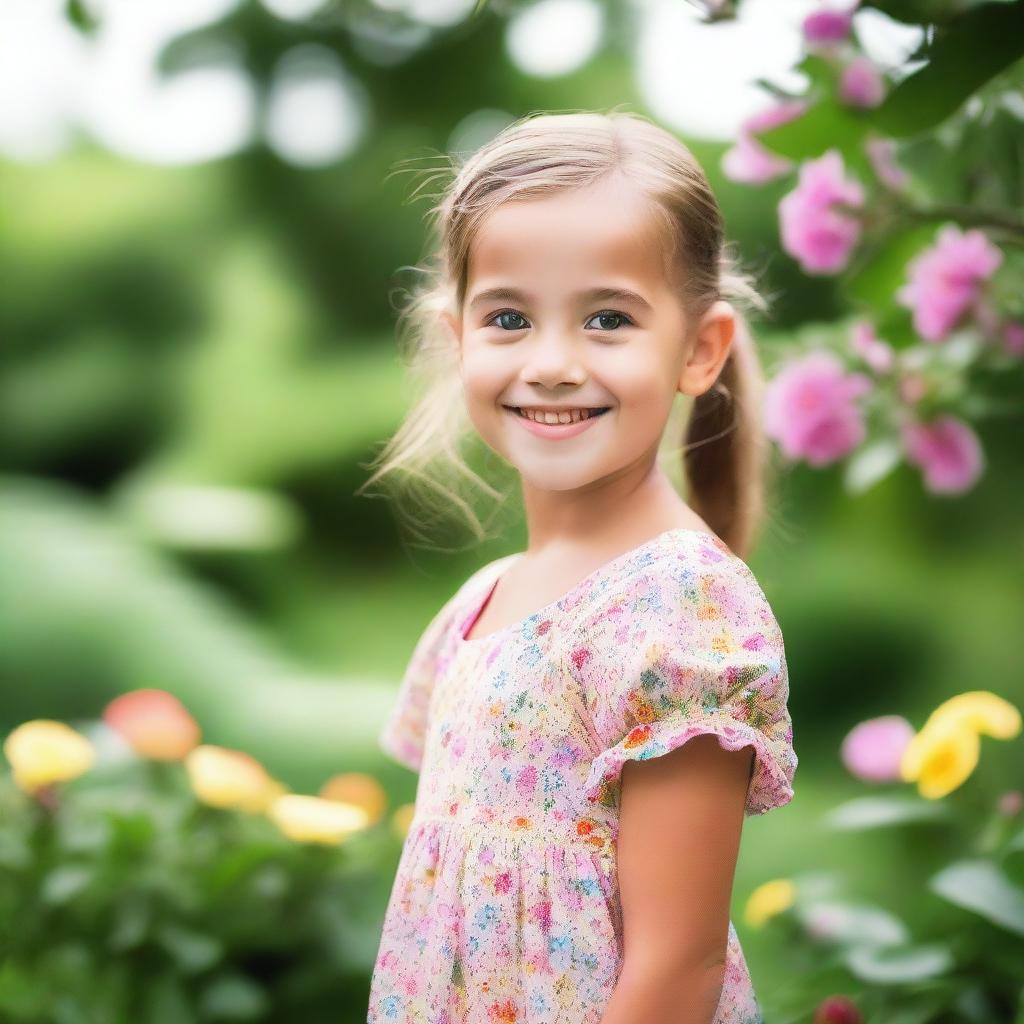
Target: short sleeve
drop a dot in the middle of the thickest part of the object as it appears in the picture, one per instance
(685, 647)
(404, 733)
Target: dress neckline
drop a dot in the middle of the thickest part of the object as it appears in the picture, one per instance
(482, 596)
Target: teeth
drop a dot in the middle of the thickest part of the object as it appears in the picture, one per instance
(568, 416)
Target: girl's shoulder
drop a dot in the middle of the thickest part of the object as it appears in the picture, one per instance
(684, 578)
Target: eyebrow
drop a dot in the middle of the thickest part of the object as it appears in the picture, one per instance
(605, 294)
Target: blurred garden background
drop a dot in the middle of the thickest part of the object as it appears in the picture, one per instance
(208, 219)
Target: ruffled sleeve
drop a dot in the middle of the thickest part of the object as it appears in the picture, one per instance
(683, 647)
(404, 733)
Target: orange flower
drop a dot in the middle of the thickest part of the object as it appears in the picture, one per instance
(637, 737)
(360, 789)
(154, 723)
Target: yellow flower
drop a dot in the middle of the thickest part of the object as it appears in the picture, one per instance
(42, 752)
(769, 899)
(229, 778)
(945, 752)
(940, 757)
(981, 712)
(311, 819)
(360, 789)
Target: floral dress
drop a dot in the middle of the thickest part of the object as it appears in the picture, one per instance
(505, 903)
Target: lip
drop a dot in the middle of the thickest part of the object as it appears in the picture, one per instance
(554, 431)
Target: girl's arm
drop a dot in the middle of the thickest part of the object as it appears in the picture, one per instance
(681, 817)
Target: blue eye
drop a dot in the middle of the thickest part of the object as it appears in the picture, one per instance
(604, 315)
(608, 314)
(506, 312)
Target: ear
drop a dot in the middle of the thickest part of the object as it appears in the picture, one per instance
(452, 323)
(712, 342)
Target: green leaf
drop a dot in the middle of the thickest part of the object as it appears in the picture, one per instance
(234, 997)
(883, 271)
(820, 71)
(981, 887)
(872, 463)
(81, 17)
(970, 50)
(850, 924)
(899, 965)
(883, 811)
(827, 125)
(65, 883)
(191, 950)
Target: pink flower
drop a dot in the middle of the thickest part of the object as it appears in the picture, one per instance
(872, 750)
(813, 228)
(945, 280)
(810, 408)
(825, 28)
(881, 153)
(948, 452)
(876, 353)
(1013, 338)
(155, 724)
(861, 84)
(750, 162)
(838, 1010)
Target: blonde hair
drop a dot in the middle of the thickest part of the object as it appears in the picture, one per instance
(724, 449)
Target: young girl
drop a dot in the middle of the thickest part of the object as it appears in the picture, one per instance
(592, 717)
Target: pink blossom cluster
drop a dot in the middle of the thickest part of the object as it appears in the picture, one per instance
(946, 280)
(817, 220)
(748, 161)
(815, 407)
(825, 28)
(813, 411)
(811, 408)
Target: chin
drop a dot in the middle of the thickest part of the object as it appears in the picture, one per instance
(554, 479)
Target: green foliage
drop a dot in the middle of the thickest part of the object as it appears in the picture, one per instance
(967, 901)
(129, 900)
(966, 53)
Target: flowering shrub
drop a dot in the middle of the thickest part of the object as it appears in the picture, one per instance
(969, 967)
(934, 286)
(147, 876)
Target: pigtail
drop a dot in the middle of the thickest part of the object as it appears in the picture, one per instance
(725, 453)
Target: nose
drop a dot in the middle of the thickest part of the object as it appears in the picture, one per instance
(552, 359)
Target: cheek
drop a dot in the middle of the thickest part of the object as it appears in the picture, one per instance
(484, 381)
(484, 375)
(638, 381)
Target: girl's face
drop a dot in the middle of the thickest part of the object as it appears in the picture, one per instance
(568, 307)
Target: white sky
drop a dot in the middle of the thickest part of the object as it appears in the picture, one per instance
(54, 82)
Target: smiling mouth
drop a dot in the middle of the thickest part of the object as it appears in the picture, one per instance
(591, 414)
